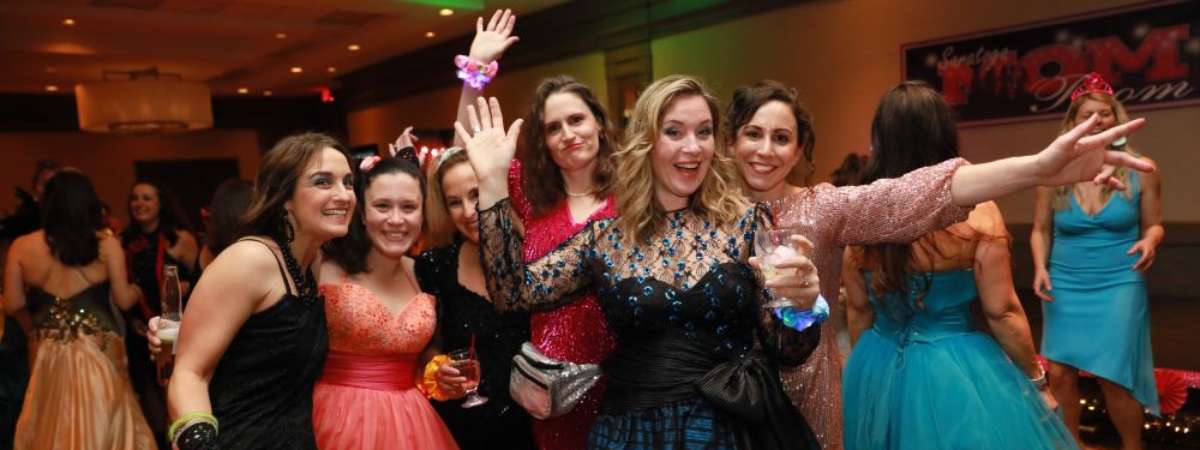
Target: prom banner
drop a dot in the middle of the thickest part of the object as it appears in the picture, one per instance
(1150, 53)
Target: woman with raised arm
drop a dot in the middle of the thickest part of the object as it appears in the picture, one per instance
(672, 278)
(569, 141)
(1090, 275)
(919, 375)
(452, 271)
(58, 284)
(253, 340)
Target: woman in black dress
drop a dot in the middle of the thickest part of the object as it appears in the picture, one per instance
(253, 338)
(452, 272)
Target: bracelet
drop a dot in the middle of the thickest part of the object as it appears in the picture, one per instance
(428, 384)
(185, 421)
(474, 73)
(801, 319)
(197, 436)
(1041, 381)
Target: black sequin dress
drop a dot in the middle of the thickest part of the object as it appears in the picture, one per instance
(688, 371)
(500, 423)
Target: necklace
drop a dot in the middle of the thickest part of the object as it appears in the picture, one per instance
(305, 287)
(581, 194)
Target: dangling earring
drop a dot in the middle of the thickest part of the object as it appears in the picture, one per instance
(289, 232)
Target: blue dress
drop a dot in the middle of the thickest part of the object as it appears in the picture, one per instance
(922, 378)
(1099, 320)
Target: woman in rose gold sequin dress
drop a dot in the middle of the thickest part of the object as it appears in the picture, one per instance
(559, 183)
(380, 323)
(772, 135)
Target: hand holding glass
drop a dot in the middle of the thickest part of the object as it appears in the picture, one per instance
(775, 246)
(468, 366)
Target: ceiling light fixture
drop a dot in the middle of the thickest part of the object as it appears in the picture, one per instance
(297, 69)
(446, 12)
(430, 34)
(69, 22)
(353, 47)
(331, 69)
(243, 90)
(280, 35)
(143, 101)
(51, 88)
(266, 93)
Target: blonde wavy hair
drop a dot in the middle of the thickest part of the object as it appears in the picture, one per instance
(719, 198)
(1069, 122)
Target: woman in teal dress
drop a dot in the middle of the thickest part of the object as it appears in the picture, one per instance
(921, 377)
(1097, 318)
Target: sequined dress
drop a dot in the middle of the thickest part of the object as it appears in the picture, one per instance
(79, 396)
(367, 395)
(898, 210)
(463, 314)
(688, 371)
(575, 331)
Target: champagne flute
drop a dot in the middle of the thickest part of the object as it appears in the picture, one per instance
(464, 360)
(168, 323)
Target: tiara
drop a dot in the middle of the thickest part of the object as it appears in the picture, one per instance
(1091, 82)
(444, 155)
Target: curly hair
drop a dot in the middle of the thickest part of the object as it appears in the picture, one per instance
(719, 197)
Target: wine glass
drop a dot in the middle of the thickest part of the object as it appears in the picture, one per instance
(464, 360)
(773, 245)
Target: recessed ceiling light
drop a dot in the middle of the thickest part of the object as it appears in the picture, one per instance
(353, 47)
(243, 90)
(266, 93)
(280, 35)
(297, 69)
(51, 88)
(430, 34)
(446, 12)
(68, 22)
(331, 69)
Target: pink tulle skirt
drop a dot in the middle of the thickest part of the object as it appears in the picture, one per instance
(366, 401)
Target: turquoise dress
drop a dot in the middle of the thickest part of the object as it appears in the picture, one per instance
(922, 378)
(1099, 320)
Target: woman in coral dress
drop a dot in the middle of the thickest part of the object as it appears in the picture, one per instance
(380, 323)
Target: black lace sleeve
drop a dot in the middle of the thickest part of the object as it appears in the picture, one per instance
(545, 283)
(788, 346)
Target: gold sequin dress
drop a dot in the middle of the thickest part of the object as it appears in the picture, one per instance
(79, 396)
(898, 210)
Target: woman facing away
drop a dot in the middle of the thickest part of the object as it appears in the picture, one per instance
(1091, 246)
(919, 375)
(569, 140)
(61, 283)
(253, 339)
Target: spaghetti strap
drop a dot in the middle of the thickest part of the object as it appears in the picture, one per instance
(287, 286)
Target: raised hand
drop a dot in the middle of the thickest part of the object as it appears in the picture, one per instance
(491, 41)
(406, 139)
(1075, 157)
(489, 147)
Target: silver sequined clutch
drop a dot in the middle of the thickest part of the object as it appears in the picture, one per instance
(547, 387)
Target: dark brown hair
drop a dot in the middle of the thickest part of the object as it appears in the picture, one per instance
(350, 251)
(541, 178)
(913, 128)
(229, 202)
(748, 99)
(70, 217)
(281, 167)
